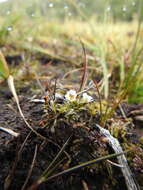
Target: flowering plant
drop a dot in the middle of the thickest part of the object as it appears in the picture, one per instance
(72, 96)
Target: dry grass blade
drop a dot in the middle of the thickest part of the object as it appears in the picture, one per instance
(50, 168)
(80, 69)
(85, 164)
(115, 164)
(55, 85)
(9, 131)
(99, 96)
(4, 72)
(45, 174)
(85, 74)
(10, 81)
(31, 168)
(116, 104)
(85, 186)
(10, 176)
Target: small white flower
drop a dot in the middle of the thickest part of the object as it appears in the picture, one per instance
(86, 98)
(58, 96)
(71, 95)
(30, 39)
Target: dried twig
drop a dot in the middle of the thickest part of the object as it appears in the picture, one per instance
(10, 176)
(80, 69)
(85, 74)
(9, 131)
(30, 170)
(99, 96)
(13, 91)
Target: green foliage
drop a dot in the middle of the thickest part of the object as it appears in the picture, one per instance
(9, 22)
(4, 70)
(59, 9)
(41, 31)
(124, 10)
(137, 95)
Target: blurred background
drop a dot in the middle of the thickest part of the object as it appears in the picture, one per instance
(16, 13)
(111, 31)
(119, 10)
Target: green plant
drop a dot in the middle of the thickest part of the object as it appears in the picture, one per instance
(4, 70)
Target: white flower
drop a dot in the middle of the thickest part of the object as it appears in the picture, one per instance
(30, 39)
(86, 98)
(71, 95)
(58, 96)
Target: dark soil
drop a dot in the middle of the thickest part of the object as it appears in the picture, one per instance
(85, 144)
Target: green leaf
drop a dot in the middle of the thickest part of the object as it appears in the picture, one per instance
(4, 70)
